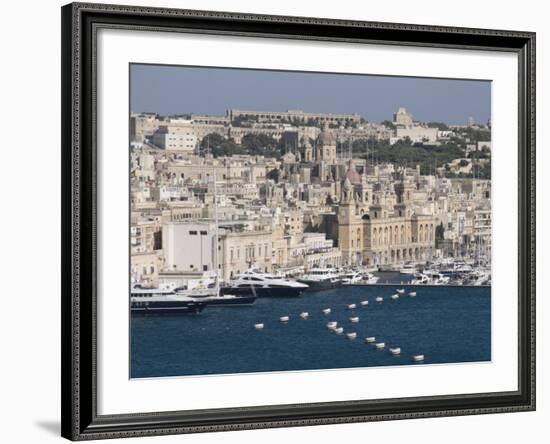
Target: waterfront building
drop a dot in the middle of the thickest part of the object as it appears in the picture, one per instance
(382, 227)
(144, 269)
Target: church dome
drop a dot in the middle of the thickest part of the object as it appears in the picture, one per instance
(327, 137)
(352, 175)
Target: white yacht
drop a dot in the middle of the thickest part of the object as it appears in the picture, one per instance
(369, 278)
(321, 278)
(436, 277)
(162, 301)
(430, 277)
(264, 285)
(408, 268)
(351, 278)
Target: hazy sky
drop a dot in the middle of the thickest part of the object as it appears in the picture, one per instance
(178, 90)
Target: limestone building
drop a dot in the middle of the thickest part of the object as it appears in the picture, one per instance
(382, 227)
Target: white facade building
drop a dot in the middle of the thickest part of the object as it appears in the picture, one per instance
(189, 246)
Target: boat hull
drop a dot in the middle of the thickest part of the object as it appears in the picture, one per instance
(238, 301)
(321, 285)
(167, 308)
(264, 292)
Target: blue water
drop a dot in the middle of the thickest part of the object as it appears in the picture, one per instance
(445, 324)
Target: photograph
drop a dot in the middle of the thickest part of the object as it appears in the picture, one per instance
(300, 221)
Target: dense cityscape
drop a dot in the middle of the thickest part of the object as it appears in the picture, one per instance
(288, 192)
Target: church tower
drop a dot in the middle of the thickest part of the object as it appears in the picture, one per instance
(350, 229)
(326, 146)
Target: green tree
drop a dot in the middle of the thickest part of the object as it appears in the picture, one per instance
(439, 125)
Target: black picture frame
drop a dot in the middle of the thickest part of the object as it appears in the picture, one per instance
(80, 22)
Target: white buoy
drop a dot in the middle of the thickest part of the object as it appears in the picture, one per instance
(370, 339)
(339, 330)
(395, 350)
(379, 299)
(258, 326)
(418, 358)
(304, 315)
(332, 324)
(351, 335)
(380, 345)
(412, 294)
(352, 306)
(327, 311)
(363, 303)
(284, 318)
(400, 290)
(395, 296)
(354, 319)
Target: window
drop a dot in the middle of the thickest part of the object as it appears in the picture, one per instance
(193, 232)
(205, 268)
(204, 233)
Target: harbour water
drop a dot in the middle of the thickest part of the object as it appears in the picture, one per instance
(445, 324)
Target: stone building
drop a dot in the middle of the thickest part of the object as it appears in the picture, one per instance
(379, 228)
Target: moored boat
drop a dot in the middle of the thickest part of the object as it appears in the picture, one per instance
(263, 285)
(321, 279)
(162, 301)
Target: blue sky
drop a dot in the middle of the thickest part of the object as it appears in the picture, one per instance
(179, 89)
